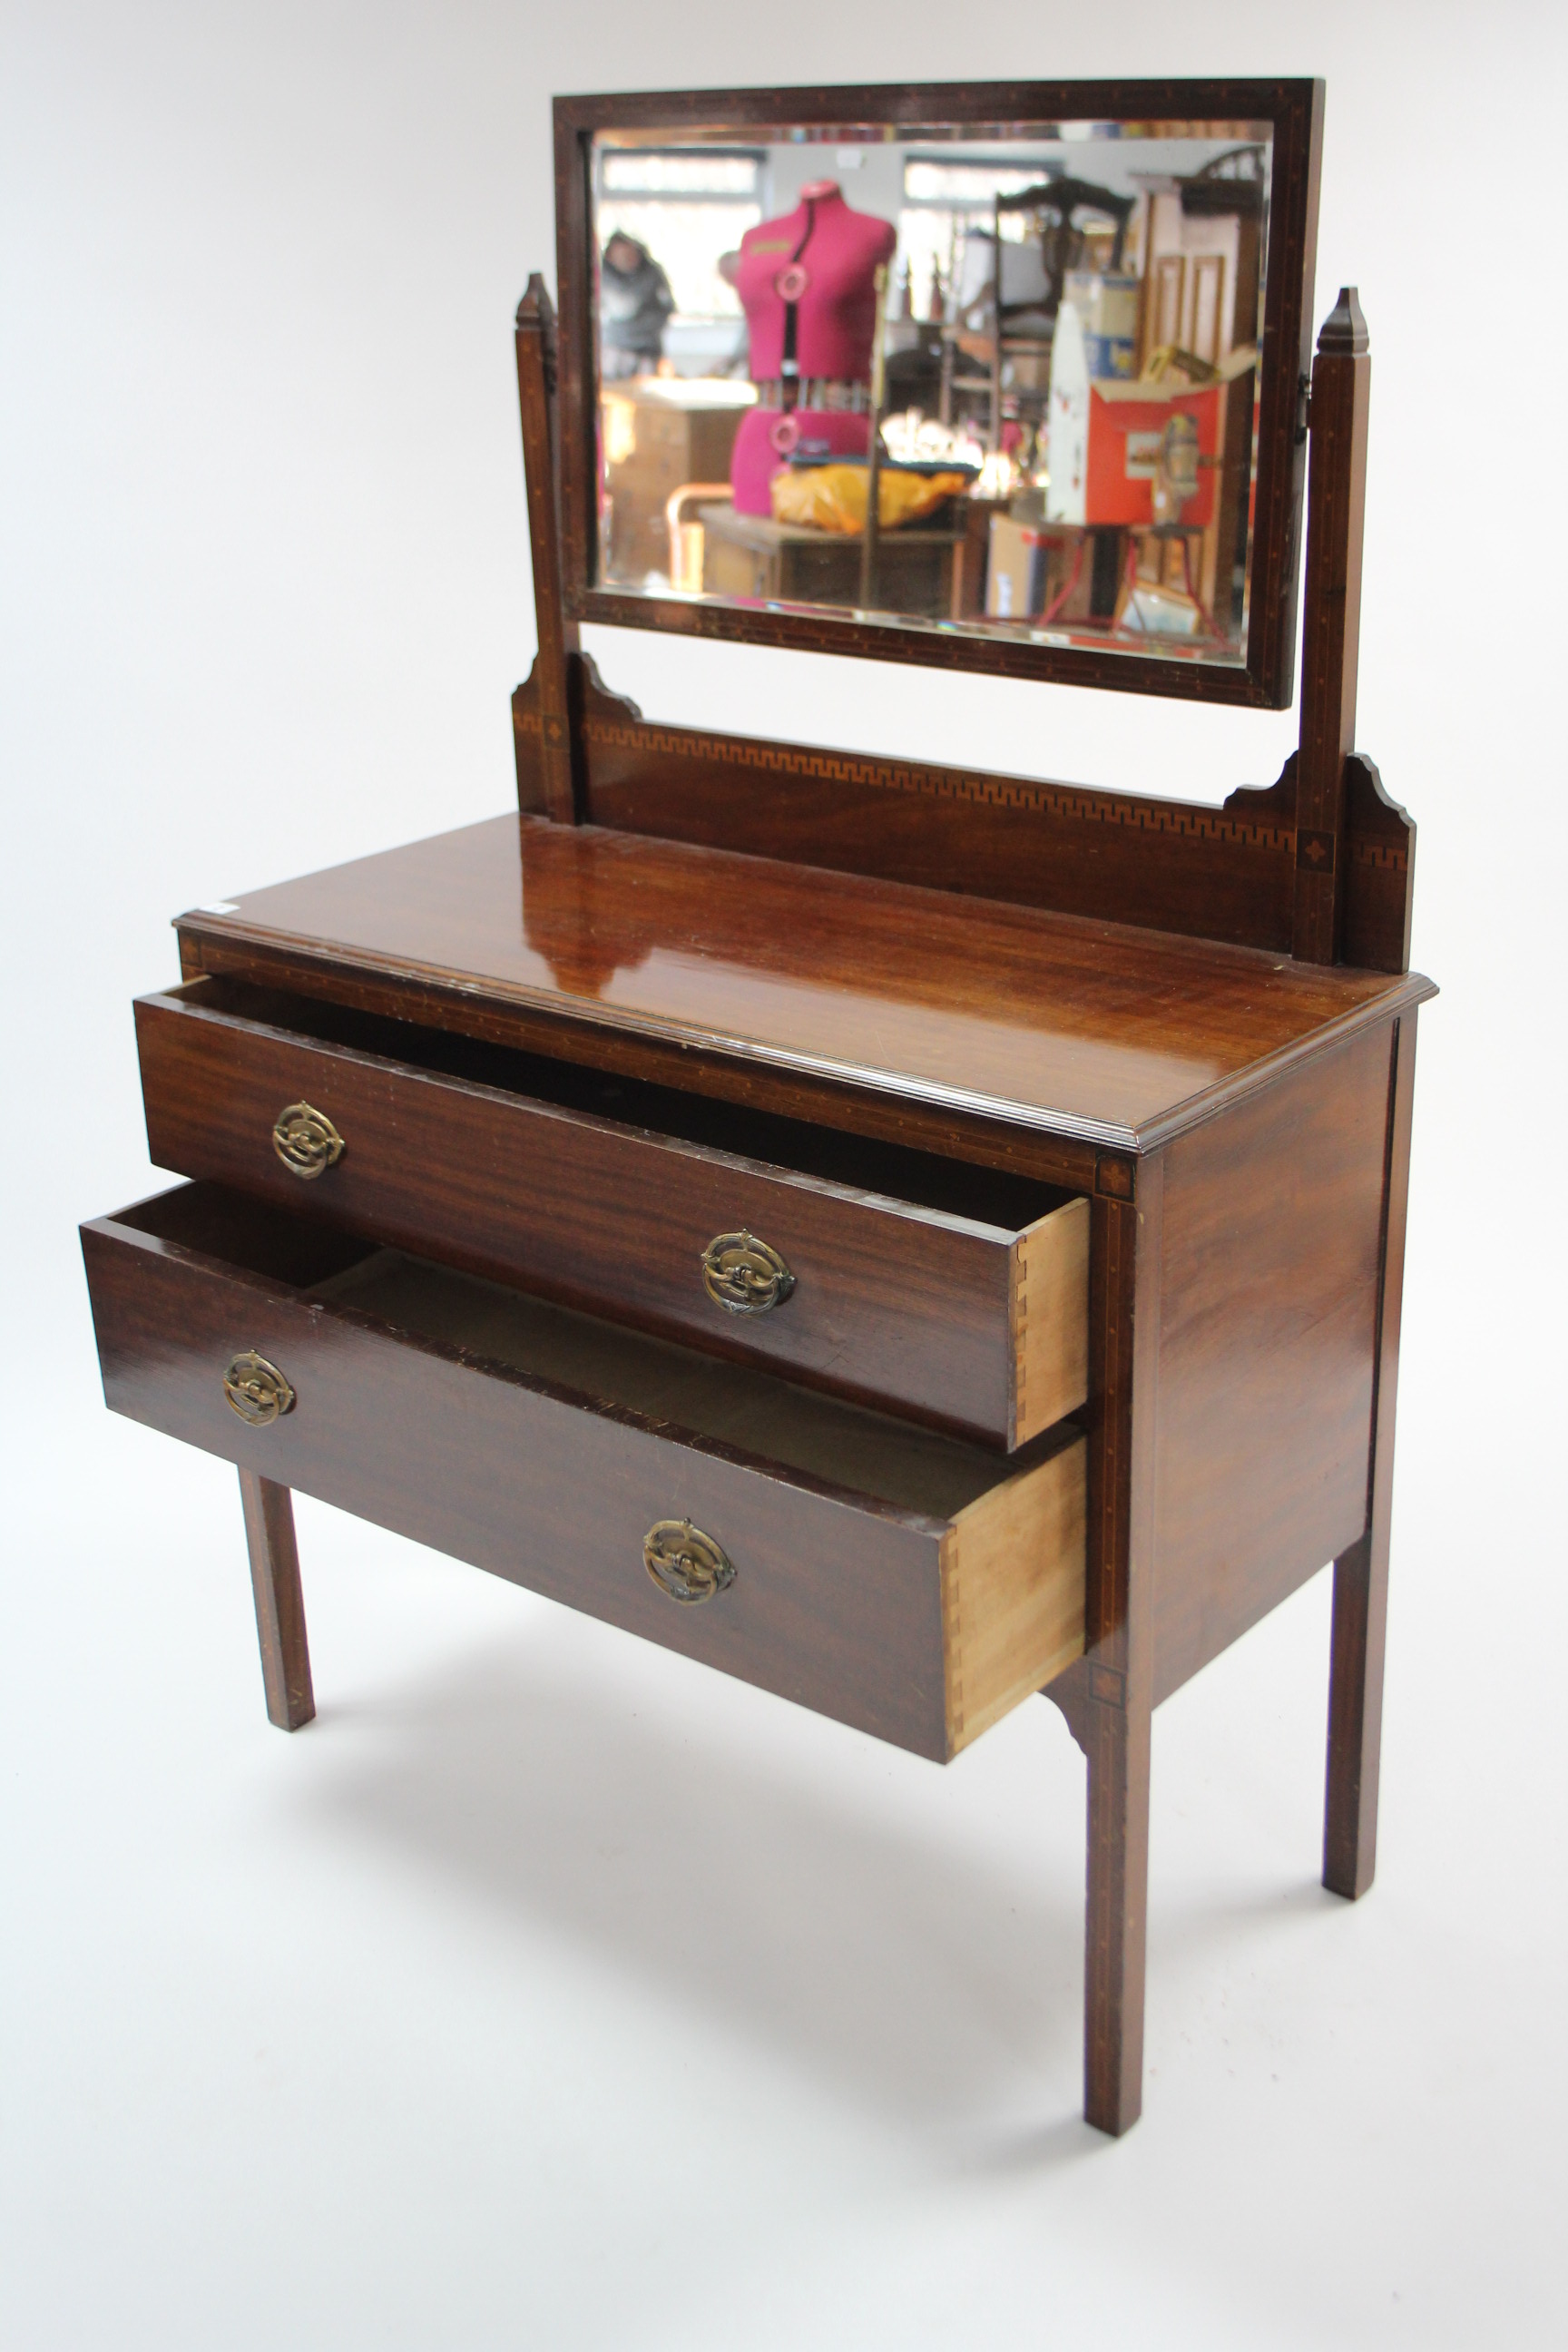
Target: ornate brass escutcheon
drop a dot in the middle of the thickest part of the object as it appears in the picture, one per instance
(744, 1274)
(256, 1390)
(684, 1562)
(306, 1141)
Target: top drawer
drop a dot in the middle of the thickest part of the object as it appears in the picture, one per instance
(956, 1295)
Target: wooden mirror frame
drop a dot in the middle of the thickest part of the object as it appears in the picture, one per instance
(1294, 110)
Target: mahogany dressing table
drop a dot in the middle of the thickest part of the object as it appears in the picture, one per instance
(909, 1237)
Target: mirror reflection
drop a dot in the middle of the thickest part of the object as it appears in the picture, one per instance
(999, 380)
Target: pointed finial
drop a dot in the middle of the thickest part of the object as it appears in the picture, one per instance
(1344, 329)
(536, 311)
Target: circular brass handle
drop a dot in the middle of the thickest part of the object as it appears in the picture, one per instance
(256, 1390)
(744, 1275)
(306, 1141)
(685, 1563)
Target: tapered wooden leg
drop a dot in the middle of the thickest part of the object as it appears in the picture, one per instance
(1115, 1739)
(1360, 1574)
(1106, 1695)
(1355, 1717)
(280, 1605)
(1116, 1920)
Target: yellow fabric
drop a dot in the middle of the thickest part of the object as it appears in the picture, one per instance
(832, 498)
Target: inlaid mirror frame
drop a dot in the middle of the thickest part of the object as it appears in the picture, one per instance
(1293, 108)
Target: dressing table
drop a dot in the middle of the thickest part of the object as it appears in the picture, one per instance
(910, 1238)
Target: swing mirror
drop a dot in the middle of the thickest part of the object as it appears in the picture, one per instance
(998, 377)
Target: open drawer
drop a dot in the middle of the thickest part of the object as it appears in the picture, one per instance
(901, 1582)
(956, 1293)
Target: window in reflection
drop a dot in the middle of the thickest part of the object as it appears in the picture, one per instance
(1002, 380)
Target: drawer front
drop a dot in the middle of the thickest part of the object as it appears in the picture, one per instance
(902, 1624)
(962, 1325)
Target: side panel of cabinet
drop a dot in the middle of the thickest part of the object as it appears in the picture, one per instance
(1273, 1225)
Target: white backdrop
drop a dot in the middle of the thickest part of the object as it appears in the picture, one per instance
(545, 1990)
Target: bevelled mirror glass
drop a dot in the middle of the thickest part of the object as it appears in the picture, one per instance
(945, 382)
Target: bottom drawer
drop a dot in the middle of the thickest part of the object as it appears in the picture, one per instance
(910, 1585)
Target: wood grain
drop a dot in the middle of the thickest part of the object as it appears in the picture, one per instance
(560, 758)
(1108, 1695)
(1377, 869)
(1050, 1342)
(428, 1423)
(1336, 509)
(1012, 1590)
(269, 1512)
(1361, 1573)
(1267, 1315)
(823, 990)
(904, 1268)
(1207, 873)
(890, 1014)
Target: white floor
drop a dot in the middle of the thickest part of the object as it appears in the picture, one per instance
(546, 1990)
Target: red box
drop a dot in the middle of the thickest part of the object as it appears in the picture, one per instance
(1118, 414)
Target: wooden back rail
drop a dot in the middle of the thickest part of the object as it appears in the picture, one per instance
(1319, 865)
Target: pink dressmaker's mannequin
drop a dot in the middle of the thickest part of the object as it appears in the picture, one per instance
(807, 284)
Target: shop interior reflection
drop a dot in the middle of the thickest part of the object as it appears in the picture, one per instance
(1004, 382)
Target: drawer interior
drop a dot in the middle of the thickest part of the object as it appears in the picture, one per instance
(991, 1197)
(757, 1412)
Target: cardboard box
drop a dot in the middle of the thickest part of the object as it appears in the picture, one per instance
(1108, 309)
(1016, 573)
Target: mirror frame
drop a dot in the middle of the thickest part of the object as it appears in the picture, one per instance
(1294, 108)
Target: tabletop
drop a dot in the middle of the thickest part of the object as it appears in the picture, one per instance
(1092, 1030)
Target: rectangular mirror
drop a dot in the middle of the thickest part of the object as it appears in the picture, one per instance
(993, 377)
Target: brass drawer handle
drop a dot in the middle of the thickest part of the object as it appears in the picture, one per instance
(685, 1563)
(744, 1274)
(256, 1390)
(306, 1141)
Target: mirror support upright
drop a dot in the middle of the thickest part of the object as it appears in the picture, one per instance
(565, 791)
(1336, 507)
(1319, 866)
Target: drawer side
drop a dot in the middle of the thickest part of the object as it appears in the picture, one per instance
(1014, 1566)
(1050, 1319)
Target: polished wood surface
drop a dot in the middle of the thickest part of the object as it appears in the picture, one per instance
(918, 1027)
(957, 1295)
(1107, 1696)
(560, 754)
(1319, 866)
(268, 1513)
(1023, 1019)
(872, 1559)
(1341, 388)
(1361, 1573)
(1225, 873)
(1267, 1315)
(1293, 108)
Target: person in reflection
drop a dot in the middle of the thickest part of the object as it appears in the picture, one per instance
(635, 300)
